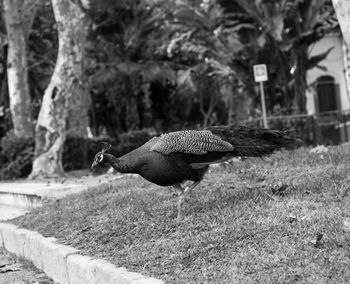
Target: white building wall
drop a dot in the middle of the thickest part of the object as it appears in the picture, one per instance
(334, 63)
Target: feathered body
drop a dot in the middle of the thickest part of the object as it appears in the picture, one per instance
(173, 158)
(185, 155)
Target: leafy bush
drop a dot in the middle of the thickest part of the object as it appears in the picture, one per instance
(130, 140)
(16, 154)
(78, 153)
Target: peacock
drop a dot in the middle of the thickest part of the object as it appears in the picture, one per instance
(173, 158)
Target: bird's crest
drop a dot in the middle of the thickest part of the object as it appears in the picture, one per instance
(105, 147)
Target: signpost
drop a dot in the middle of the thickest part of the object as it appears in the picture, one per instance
(260, 75)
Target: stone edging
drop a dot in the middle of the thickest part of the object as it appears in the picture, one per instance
(64, 264)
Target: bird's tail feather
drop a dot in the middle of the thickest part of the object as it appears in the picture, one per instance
(255, 142)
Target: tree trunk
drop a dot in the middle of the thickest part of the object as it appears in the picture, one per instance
(342, 9)
(65, 82)
(28, 12)
(132, 119)
(300, 79)
(207, 114)
(147, 117)
(17, 69)
(78, 119)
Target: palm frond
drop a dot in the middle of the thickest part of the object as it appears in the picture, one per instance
(316, 59)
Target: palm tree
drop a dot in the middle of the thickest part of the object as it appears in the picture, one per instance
(282, 34)
(248, 32)
(127, 38)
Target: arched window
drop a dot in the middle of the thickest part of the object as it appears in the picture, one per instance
(326, 94)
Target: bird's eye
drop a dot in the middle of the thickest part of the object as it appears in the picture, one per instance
(100, 158)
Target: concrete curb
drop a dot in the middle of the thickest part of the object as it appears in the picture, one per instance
(64, 264)
(29, 195)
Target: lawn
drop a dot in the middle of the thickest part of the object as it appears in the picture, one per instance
(238, 227)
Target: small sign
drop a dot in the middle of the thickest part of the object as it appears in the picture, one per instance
(260, 73)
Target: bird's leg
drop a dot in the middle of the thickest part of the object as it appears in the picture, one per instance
(179, 206)
(180, 201)
(182, 193)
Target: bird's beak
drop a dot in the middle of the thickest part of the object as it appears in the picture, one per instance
(94, 164)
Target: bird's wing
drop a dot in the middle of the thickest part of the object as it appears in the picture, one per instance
(199, 142)
(200, 165)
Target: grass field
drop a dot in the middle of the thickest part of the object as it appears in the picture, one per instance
(237, 227)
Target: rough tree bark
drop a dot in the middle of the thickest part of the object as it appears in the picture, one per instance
(78, 118)
(300, 79)
(132, 117)
(65, 83)
(28, 12)
(342, 9)
(19, 16)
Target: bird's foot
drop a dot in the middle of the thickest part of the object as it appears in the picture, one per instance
(189, 189)
(179, 217)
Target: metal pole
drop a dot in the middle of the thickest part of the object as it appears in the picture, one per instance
(263, 104)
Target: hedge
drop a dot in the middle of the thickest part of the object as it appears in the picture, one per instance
(16, 154)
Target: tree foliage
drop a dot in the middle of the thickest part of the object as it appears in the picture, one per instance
(173, 64)
(280, 36)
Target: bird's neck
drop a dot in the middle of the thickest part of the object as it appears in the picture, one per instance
(118, 164)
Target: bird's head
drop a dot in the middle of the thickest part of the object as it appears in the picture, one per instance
(102, 157)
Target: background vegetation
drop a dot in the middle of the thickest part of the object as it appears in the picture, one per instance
(156, 66)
